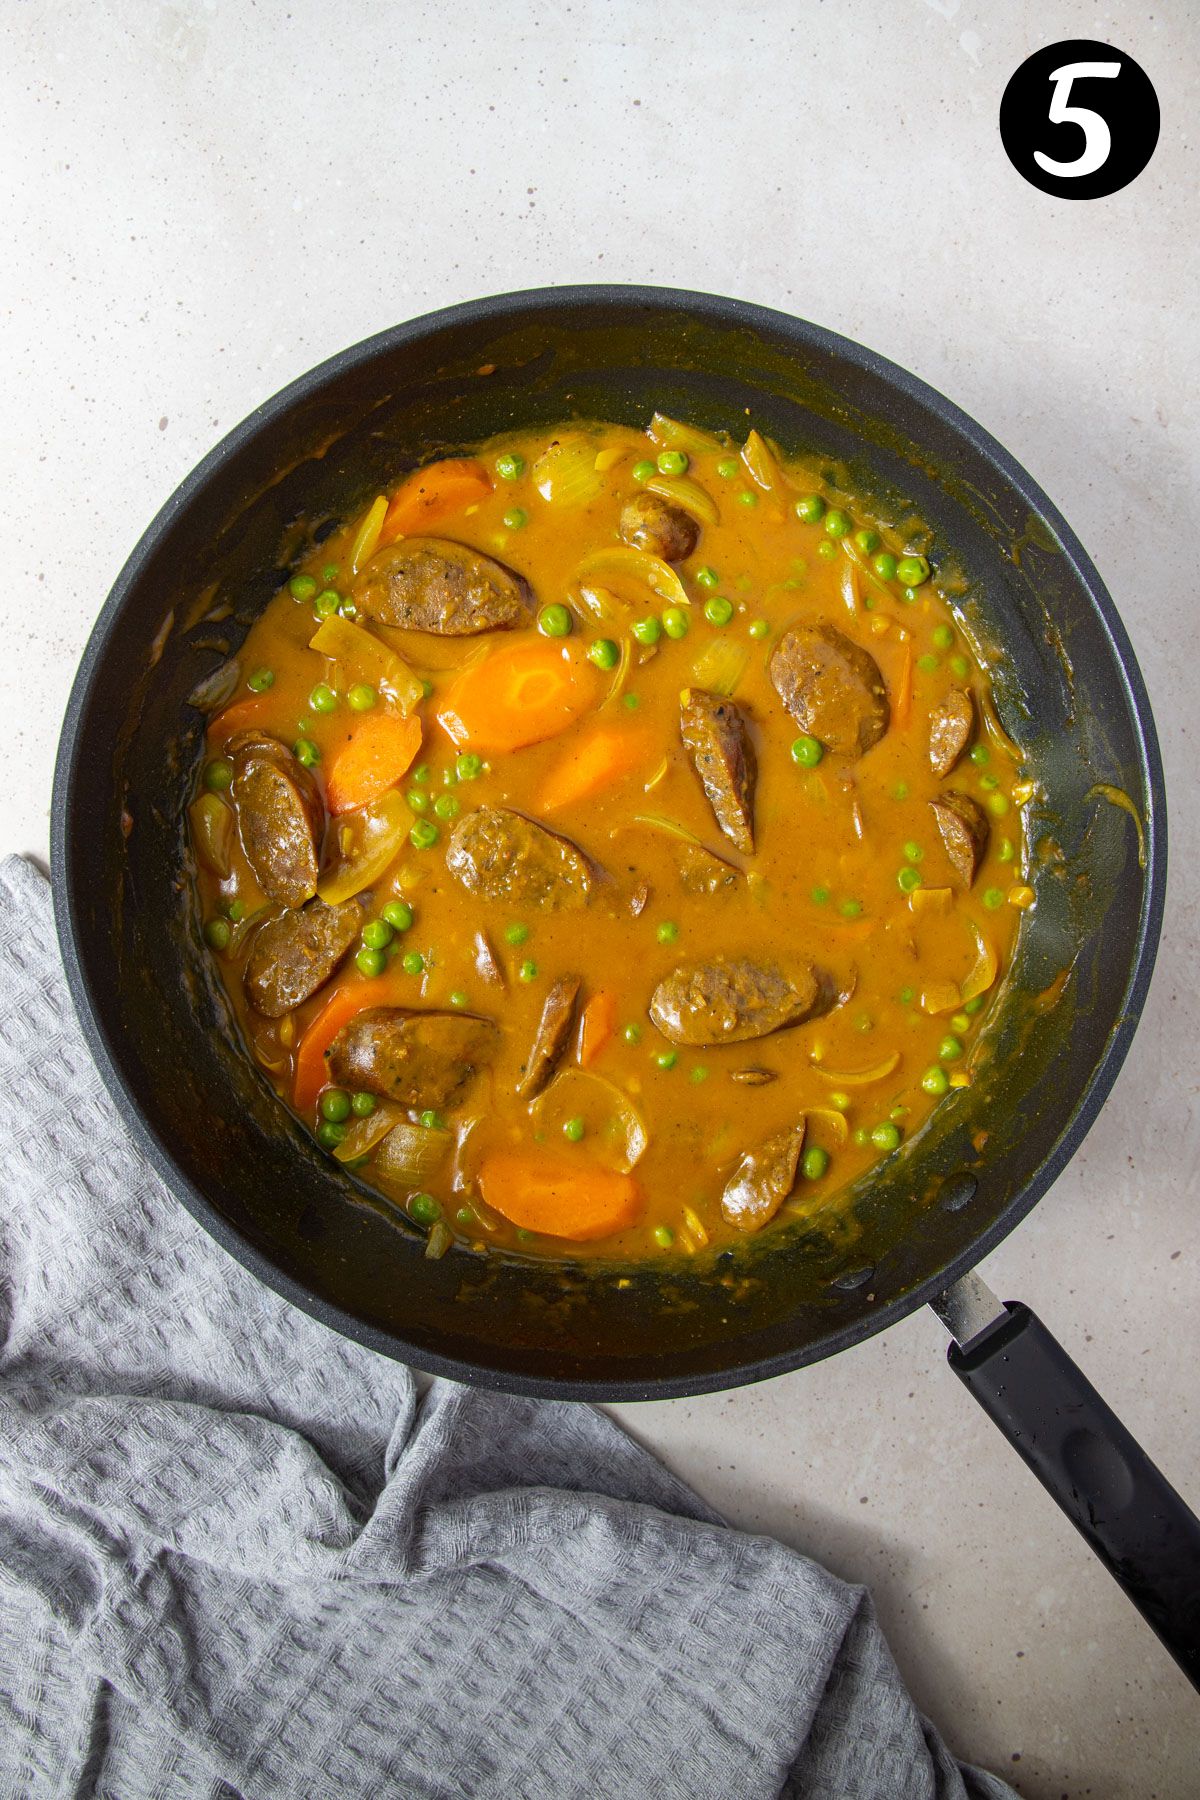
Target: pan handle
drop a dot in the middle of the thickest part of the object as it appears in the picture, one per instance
(1144, 1533)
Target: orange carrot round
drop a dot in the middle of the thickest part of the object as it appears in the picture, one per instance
(558, 1196)
(596, 761)
(596, 1026)
(434, 493)
(380, 750)
(520, 694)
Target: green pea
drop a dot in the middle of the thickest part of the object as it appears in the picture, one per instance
(959, 1021)
(667, 932)
(468, 767)
(412, 962)
(335, 1105)
(728, 467)
(399, 914)
(509, 466)
(515, 517)
(675, 622)
(432, 1120)
(516, 933)
(218, 774)
(330, 1134)
(666, 1059)
(464, 1216)
(943, 637)
(706, 576)
(826, 550)
(912, 571)
(840, 1101)
(261, 680)
(362, 697)
(424, 1209)
(860, 1136)
(302, 587)
(322, 699)
(906, 996)
(900, 791)
(935, 1081)
(632, 1034)
(348, 609)
(988, 782)
(960, 666)
(630, 702)
(426, 687)
(885, 566)
(457, 997)
(418, 801)
(810, 508)
(423, 835)
(446, 806)
(554, 621)
(908, 879)
(815, 1163)
(971, 1007)
(998, 804)
(329, 572)
(672, 462)
(867, 541)
(217, 934)
(718, 610)
(647, 630)
(807, 751)
(929, 665)
(573, 1129)
(758, 628)
(363, 1105)
(642, 471)
(1005, 853)
(235, 911)
(820, 896)
(981, 754)
(747, 498)
(377, 934)
(950, 1049)
(837, 522)
(528, 971)
(993, 898)
(914, 852)
(698, 1074)
(371, 962)
(327, 603)
(886, 1137)
(604, 653)
(850, 909)
(306, 752)
(664, 1237)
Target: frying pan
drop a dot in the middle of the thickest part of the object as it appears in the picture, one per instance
(1068, 691)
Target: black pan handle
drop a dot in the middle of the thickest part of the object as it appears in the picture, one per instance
(1144, 1533)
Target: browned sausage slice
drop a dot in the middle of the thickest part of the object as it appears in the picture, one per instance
(950, 726)
(731, 1000)
(281, 817)
(415, 1058)
(648, 522)
(291, 957)
(433, 584)
(502, 855)
(832, 688)
(554, 1028)
(716, 738)
(965, 831)
(763, 1180)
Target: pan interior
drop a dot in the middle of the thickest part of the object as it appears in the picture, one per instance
(1068, 693)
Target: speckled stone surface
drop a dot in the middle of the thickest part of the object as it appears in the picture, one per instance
(202, 200)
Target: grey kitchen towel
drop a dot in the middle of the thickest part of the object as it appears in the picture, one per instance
(241, 1556)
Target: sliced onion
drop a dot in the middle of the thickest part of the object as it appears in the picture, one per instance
(985, 968)
(438, 1241)
(678, 436)
(630, 572)
(211, 823)
(721, 665)
(940, 997)
(364, 1134)
(565, 473)
(366, 538)
(603, 605)
(372, 838)
(217, 689)
(836, 1122)
(931, 899)
(684, 492)
(859, 1077)
(411, 1156)
(762, 465)
(612, 1123)
(363, 657)
(620, 675)
(672, 828)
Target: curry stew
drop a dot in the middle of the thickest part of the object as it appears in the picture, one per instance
(607, 843)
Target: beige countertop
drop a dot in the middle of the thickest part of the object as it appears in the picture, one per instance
(209, 198)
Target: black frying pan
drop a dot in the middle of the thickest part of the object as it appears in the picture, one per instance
(1069, 692)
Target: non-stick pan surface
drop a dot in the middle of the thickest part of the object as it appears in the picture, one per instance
(1070, 694)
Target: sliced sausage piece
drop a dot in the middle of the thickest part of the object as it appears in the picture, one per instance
(648, 522)
(753, 1077)
(291, 957)
(763, 1179)
(502, 855)
(415, 1058)
(950, 726)
(432, 584)
(487, 962)
(965, 831)
(832, 688)
(550, 1040)
(281, 817)
(731, 1000)
(716, 737)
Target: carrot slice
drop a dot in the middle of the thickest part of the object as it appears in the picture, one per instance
(380, 750)
(596, 1026)
(518, 695)
(561, 1197)
(238, 717)
(594, 762)
(432, 494)
(902, 703)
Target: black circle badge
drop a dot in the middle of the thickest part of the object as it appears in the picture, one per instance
(1079, 119)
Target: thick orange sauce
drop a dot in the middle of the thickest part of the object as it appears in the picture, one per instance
(847, 853)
